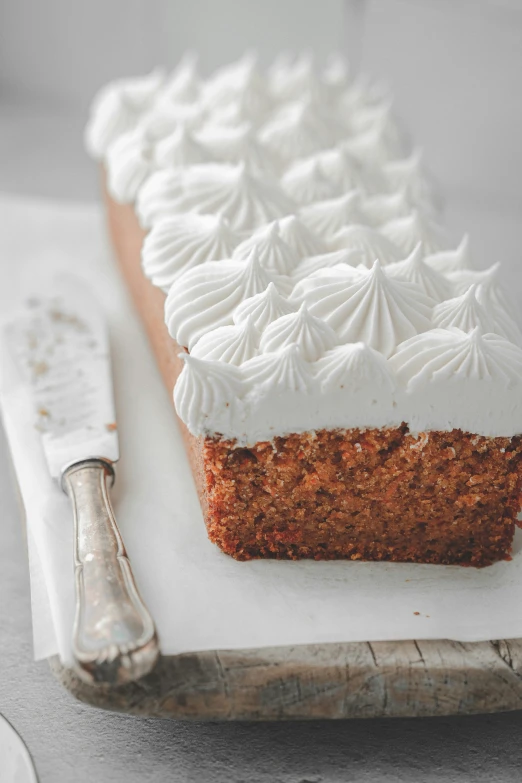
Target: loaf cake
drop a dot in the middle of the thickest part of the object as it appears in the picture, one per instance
(348, 384)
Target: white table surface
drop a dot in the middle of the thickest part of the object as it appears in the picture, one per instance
(72, 742)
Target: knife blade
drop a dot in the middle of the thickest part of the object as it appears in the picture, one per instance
(60, 346)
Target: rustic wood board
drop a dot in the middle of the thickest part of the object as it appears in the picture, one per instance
(359, 680)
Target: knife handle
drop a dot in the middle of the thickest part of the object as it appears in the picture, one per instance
(114, 638)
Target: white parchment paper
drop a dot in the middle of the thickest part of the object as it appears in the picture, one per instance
(200, 598)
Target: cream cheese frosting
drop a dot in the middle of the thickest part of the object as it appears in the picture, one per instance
(298, 242)
(176, 244)
(117, 108)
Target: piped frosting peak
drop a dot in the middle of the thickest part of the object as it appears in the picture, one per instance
(328, 217)
(452, 260)
(369, 243)
(312, 335)
(368, 306)
(450, 355)
(415, 270)
(117, 108)
(407, 232)
(274, 253)
(205, 297)
(233, 344)
(264, 308)
(202, 390)
(177, 244)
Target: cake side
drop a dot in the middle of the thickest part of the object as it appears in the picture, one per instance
(444, 497)
(377, 494)
(127, 240)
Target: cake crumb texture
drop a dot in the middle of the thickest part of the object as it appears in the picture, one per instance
(438, 497)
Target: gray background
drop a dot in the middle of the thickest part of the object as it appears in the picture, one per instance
(455, 67)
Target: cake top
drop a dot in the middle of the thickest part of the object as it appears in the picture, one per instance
(299, 241)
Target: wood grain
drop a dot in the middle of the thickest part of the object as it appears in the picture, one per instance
(383, 679)
(357, 680)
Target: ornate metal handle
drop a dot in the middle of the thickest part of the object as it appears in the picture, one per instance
(114, 639)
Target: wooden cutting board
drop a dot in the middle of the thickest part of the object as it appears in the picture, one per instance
(359, 680)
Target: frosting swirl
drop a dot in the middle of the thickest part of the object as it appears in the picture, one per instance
(233, 191)
(285, 371)
(312, 335)
(355, 367)
(368, 306)
(305, 181)
(370, 245)
(407, 232)
(263, 308)
(179, 149)
(415, 270)
(117, 108)
(233, 344)
(128, 165)
(330, 216)
(451, 260)
(206, 296)
(208, 394)
(180, 243)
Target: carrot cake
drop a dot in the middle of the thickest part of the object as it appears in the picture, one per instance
(348, 385)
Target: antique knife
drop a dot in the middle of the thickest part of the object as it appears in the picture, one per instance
(60, 346)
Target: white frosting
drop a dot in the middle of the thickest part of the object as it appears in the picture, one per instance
(208, 395)
(452, 379)
(303, 265)
(289, 79)
(157, 196)
(117, 108)
(305, 182)
(348, 173)
(263, 308)
(242, 84)
(336, 76)
(377, 142)
(233, 344)
(451, 260)
(383, 207)
(408, 174)
(325, 261)
(299, 237)
(467, 313)
(417, 227)
(415, 270)
(367, 306)
(311, 335)
(461, 279)
(273, 252)
(330, 216)
(128, 165)
(164, 118)
(369, 243)
(464, 312)
(180, 243)
(233, 191)
(236, 144)
(179, 149)
(184, 84)
(285, 371)
(300, 129)
(205, 297)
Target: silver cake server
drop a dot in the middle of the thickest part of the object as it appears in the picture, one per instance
(60, 346)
